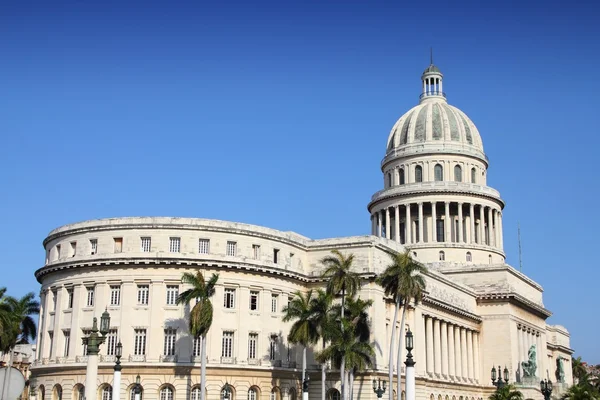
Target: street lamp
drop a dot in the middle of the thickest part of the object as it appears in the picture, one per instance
(137, 389)
(377, 388)
(305, 387)
(498, 382)
(410, 387)
(546, 388)
(116, 387)
(92, 343)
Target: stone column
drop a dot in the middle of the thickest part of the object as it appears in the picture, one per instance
(447, 223)
(472, 221)
(457, 352)
(434, 218)
(378, 223)
(520, 341)
(481, 225)
(387, 223)
(429, 333)
(500, 236)
(421, 222)
(477, 363)
(451, 351)
(464, 356)
(373, 227)
(460, 223)
(492, 241)
(437, 346)
(470, 354)
(444, 347)
(397, 223)
(407, 225)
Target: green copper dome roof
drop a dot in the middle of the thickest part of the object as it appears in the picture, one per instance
(432, 68)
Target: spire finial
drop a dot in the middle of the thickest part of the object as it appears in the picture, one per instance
(431, 55)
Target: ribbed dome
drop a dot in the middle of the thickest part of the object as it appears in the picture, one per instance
(435, 121)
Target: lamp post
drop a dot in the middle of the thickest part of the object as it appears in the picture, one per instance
(498, 382)
(116, 388)
(137, 390)
(93, 342)
(305, 387)
(410, 387)
(546, 388)
(377, 388)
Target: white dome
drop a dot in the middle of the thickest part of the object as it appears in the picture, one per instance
(434, 125)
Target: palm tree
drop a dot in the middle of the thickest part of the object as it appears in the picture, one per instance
(4, 315)
(403, 281)
(341, 281)
(201, 315)
(506, 392)
(18, 325)
(321, 315)
(304, 331)
(581, 391)
(579, 370)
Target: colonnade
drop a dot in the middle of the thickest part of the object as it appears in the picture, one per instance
(451, 351)
(433, 86)
(528, 337)
(455, 222)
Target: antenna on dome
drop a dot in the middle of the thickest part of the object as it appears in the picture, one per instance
(520, 252)
(431, 55)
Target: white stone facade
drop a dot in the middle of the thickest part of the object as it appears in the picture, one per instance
(478, 312)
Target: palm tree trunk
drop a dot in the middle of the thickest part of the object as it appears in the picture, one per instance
(303, 364)
(203, 369)
(323, 376)
(343, 365)
(391, 355)
(400, 351)
(351, 384)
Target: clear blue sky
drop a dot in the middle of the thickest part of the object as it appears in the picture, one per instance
(277, 114)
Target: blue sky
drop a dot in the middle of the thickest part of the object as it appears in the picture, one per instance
(277, 114)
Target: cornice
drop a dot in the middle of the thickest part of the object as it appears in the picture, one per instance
(514, 298)
(435, 303)
(560, 347)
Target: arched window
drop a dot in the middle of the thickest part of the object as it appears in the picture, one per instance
(292, 394)
(166, 393)
(414, 253)
(333, 394)
(107, 392)
(41, 392)
(432, 397)
(252, 394)
(78, 392)
(389, 179)
(227, 392)
(195, 395)
(469, 256)
(57, 392)
(402, 177)
(418, 173)
(473, 175)
(457, 173)
(490, 258)
(438, 172)
(274, 394)
(141, 389)
(442, 256)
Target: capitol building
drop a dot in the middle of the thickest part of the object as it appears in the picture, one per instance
(478, 311)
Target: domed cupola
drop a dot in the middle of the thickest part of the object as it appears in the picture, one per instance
(435, 195)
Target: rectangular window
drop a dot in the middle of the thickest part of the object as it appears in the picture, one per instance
(73, 249)
(67, 343)
(118, 245)
(115, 295)
(94, 246)
(142, 295)
(169, 343)
(197, 346)
(90, 297)
(58, 251)
(69, 298)
(146, 244)
(231, 248)
(111, 342)
(139, 347)
(51, 336)
(272, 347)
(439, 226)
(275, 256)
(174, 245)
(290, 299)
(86, 332)
(252, 341)
(229, 298)
(54, 299)
(274, 303)
(227, 348)
(203, 246)
(291, 260)
(172, 294)
(256, 251)
(253, 300)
